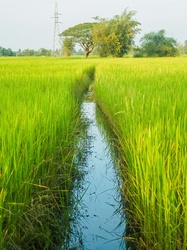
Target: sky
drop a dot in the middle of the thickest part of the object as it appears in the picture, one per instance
(29, 23)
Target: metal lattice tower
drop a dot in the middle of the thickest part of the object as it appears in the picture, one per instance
(56, 37)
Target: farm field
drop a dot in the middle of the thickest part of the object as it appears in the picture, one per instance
(39, 120)
(145, 103)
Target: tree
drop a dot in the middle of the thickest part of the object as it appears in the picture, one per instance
(42, 52)
(115, 37)
(157, 44)
(109, 37)
(6, 52)
(105, 40)
(28, 52)
(68, 46)
(82, 34)
(185, 47)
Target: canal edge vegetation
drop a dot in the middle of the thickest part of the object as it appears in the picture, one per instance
(40, 124)
(144, 100)
(145, 104)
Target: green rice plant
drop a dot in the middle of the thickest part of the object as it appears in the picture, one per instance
(39, 123)
(145, 102)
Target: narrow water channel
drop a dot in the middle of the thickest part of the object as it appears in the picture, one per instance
(98, 223)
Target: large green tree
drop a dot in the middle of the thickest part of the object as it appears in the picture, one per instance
(68, 46)
(82, 34)
(115, 36)
(157, 44)
(106, 41)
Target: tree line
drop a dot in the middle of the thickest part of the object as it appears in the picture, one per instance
(106, 37)
(109, 37)
(32, 52)
(26, 52)
(115, 37)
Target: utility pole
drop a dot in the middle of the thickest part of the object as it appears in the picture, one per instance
(56, 38)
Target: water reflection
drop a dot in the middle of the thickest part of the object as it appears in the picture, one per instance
(97, 222)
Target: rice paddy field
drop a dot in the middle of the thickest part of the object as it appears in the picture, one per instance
(145, 103)
(39, 120)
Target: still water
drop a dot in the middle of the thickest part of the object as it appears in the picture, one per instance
(98, 222)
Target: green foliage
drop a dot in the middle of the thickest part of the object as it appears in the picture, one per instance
(43, 52)
(145, 102)
(82, 34)
(182, 47)
(157, 44)
(26, 52)
(40, 101)
(68, 46)
(107, 41)
(185, 47)
(6, 52)
(112, 37)
(115, 37)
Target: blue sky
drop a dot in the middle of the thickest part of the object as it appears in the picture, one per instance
(28, 23)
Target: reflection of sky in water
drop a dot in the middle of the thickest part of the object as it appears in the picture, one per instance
(100, 226)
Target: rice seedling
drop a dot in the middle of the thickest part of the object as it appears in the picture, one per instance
(39, 122)
(145, 102)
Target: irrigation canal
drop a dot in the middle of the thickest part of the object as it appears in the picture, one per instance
(98, 222)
